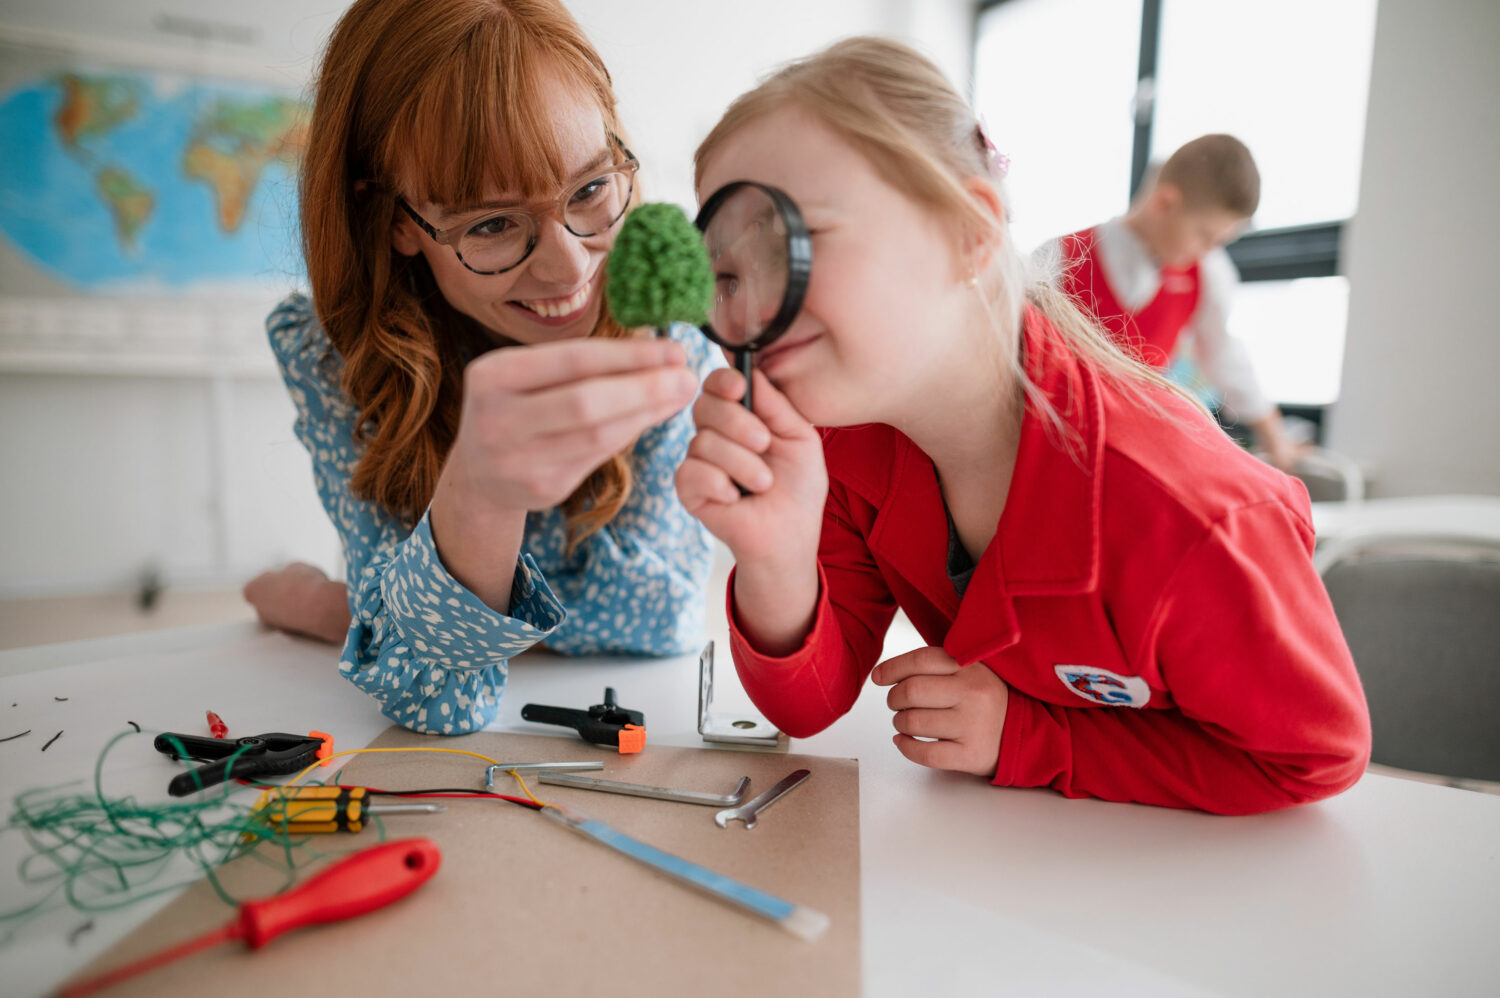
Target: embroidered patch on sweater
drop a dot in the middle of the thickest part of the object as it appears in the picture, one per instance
(1103, 686)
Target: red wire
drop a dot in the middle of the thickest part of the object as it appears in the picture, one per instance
(90, 985)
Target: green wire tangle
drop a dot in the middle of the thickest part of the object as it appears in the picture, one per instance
(94, 853)
(658, 272)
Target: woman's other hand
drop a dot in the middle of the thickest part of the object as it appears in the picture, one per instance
(300, 599)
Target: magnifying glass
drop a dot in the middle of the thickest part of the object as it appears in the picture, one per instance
(761, 255)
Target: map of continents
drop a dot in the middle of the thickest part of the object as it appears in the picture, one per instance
(135, 181)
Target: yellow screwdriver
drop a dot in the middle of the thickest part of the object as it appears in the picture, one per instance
(315, 810)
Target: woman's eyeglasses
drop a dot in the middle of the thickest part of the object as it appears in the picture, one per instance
(502, 240)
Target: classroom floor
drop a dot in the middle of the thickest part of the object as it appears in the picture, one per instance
(27, 622)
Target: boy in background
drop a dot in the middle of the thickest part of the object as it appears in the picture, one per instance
(1160, 274)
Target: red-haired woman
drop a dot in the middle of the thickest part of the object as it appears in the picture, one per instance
(496, 452)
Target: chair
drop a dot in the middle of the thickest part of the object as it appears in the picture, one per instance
(1331, 476)
(1328, 475)
(1421, 613)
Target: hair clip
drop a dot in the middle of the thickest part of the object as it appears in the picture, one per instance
(999, 163)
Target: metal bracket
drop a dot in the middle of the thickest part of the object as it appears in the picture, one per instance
(751, 730)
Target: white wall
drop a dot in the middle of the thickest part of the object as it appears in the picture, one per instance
(198, 474)
(1422, 357)
(677, 64)
(197, 478)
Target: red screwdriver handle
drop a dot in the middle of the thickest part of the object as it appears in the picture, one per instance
(369, 879)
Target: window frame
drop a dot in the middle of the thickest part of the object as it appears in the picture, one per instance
(1278, 254)
(1267, 255)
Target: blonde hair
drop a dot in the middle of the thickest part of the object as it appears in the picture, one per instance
(897, 109)
(441, 99)
(1214, 171)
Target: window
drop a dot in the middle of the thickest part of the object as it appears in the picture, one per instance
(1054, 80)
(1083, 93)
(1294, 332)
(1291, 86)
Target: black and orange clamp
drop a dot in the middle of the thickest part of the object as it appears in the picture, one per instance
(249, 758)
(604, 723)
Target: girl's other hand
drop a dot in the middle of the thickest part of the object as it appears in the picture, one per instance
(537, 420)
(960, 710)
(775, 453)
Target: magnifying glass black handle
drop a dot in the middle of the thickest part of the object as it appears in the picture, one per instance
(746, 363)
(745, 360)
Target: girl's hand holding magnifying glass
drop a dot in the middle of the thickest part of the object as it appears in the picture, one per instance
(750, 435)
(773, 528)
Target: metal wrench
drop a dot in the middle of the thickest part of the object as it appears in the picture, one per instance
(747, 812)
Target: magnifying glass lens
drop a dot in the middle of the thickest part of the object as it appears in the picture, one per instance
(747, 244)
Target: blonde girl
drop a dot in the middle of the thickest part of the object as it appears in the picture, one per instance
(1117, 601)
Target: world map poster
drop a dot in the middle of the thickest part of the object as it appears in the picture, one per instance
(119, 180)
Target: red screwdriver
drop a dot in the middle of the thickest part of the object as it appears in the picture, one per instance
(369, 879)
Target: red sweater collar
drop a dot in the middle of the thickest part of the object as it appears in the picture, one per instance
(1048, 538)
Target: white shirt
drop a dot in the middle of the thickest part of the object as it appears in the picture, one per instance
(1135, 278)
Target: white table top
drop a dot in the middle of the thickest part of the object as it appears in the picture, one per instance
(1469, 516)
(1390, 889)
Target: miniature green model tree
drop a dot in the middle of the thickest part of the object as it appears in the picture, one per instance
(658, 272)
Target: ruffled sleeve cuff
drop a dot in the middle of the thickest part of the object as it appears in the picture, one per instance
(430, 651)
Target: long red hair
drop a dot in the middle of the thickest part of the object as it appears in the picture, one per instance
(442, 98)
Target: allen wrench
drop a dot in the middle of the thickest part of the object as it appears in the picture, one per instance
(731, 799)
(505, 767)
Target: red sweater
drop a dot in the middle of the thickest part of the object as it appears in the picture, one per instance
(1151, 333)
(1149, 598)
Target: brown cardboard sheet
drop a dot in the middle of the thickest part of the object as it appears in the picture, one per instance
(523, 906)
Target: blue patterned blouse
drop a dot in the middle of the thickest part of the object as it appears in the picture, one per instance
(428, 650)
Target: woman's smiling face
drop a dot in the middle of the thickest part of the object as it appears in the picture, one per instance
(556, 293)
